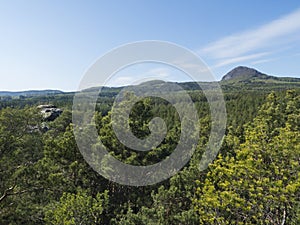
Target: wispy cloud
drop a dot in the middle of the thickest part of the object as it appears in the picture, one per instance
(120, 81)
(248, 44)
(263, 61)
(158, 72)
(240, 59)
(138, 74)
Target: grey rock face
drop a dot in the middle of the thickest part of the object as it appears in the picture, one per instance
(50, 112)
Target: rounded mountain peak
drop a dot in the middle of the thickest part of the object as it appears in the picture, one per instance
(242, 72)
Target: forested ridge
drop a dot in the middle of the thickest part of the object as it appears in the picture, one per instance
(254, 179)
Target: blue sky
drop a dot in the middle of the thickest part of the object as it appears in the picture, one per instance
(51, 44)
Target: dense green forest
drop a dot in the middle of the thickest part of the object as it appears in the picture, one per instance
(254, 179)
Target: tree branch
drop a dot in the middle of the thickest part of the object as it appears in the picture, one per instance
(6, 193)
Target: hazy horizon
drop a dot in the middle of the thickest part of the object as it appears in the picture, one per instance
(121, 85)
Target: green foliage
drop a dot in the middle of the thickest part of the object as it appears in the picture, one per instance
(260, 184)
(20, 149)
(44, 178)
(79, 208)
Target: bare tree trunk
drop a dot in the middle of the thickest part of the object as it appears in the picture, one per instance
(284, 216)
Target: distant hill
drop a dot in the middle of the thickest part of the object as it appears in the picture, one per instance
(238, 78)
(31, 93)
(244, 74)
(252, 79)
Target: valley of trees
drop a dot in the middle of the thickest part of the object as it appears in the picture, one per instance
(255, 178)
